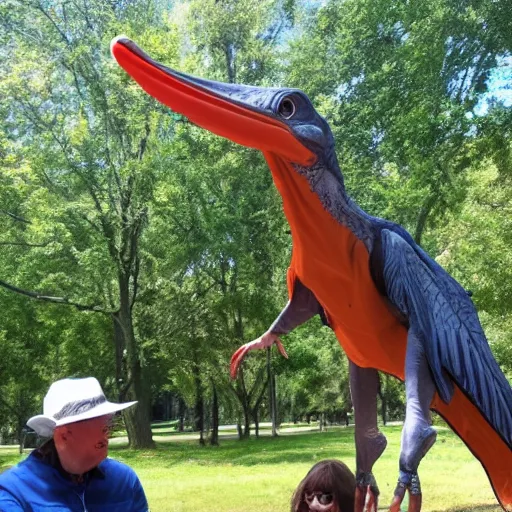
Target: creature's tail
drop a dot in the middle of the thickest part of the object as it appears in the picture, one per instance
(483, 441)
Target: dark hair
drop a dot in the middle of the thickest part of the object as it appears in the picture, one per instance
(329, 476)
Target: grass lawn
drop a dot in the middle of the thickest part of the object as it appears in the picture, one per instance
(260, 475)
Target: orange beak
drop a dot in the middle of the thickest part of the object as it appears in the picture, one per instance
(239, 113)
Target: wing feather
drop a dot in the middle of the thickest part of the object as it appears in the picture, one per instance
(456, 347)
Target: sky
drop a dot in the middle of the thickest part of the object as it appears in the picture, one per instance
(500, 86)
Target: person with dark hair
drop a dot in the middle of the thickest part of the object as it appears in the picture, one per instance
(329, 486)
(71, 471)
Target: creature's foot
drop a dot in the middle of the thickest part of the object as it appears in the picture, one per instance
(408, 479)
(367, 493)
(407, 482)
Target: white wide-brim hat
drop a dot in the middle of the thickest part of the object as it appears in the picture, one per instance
(72, 400)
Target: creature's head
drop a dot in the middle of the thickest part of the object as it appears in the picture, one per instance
(278, 121)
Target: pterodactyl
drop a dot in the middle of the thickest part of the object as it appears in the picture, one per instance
(391, 306)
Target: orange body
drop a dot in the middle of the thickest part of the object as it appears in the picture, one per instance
(333, 263)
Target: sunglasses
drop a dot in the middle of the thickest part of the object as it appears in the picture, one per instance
(324, 498)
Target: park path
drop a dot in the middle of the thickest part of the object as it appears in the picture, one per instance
(226, 432)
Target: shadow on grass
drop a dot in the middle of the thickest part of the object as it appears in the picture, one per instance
(305, 448)
(473, 508)
(248, 452)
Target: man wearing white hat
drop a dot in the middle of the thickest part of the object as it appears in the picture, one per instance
(71, 471)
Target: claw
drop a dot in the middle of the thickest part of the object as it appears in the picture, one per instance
(265, 341)
(236, 360)
(367, 492)
(414, 502)
(366, 499)
(397, 501)
(281, 349)
(412, 486)
(370, 504)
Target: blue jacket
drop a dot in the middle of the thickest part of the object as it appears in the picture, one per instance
(35, 485)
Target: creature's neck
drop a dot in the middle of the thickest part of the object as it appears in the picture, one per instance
(327, 183)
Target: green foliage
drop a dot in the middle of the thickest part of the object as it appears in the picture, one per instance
(314, 381)
(403, 81)
(476, 251)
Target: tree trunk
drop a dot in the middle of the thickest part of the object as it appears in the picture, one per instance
(134, 386)
(422, 218)
(167, 412)
(257, 405)
(256, 423)
(249, 401)
(199, 406)
(384, 409)
(121, 370)
(275, 414)
(214, 440)
(181, 414)
(272, 394)
(137, 418)
(247, 421)
(244, 398)
(229, 53)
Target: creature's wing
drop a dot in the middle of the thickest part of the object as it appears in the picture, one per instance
(456, 346)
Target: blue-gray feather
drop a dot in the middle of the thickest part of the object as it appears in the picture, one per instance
(456, 347)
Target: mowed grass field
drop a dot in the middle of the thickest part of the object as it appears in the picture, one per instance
(259, 475)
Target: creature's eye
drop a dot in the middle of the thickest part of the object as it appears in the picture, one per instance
(286, 108)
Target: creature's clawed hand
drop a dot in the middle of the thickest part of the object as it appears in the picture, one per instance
(264, 341)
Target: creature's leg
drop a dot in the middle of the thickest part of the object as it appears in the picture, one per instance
(417, 435)
(370, 442)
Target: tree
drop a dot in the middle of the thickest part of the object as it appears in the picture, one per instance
(315, 379)
(168, 244)
(93, 158)
(400, 83)
(226, 219)
(476, 250)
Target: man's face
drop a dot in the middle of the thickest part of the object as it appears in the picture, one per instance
(83, 445)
